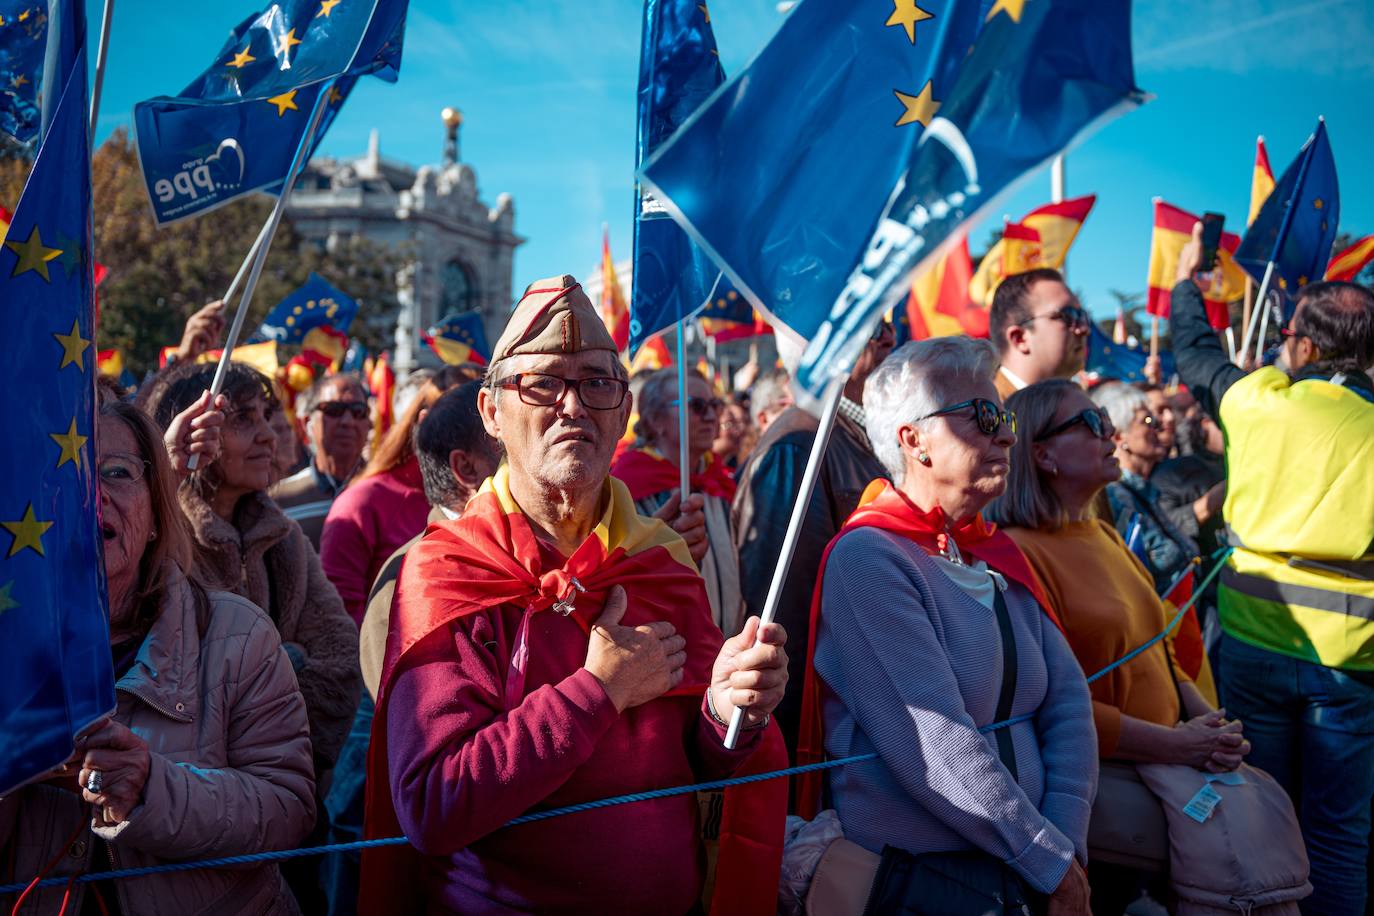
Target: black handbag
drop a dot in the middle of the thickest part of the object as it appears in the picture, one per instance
(970, 883)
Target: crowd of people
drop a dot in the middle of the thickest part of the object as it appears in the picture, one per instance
(506, 604)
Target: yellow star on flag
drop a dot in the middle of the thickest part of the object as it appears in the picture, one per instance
(71, 444)
(18, 81)
(705, 12)
(906, 14)
(288, 41)
(1012, 8)
(242, 59)
(1318, 204)
(920, 107)
(335, 96)
(27, 532)
(33, 255)
(73, 347)
(327, 7)
(6, 602)
(284, 102)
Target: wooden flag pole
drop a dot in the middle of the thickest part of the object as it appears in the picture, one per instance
(259, 253)
(684, 471)
(1154, 335)
(101, 54)
(830, 407)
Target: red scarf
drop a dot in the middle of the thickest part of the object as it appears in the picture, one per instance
(885, 507)
(490, 557)
(646, 472)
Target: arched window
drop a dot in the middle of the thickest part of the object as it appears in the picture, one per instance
(459, 293)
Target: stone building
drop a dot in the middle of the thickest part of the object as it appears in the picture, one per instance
(463, 247)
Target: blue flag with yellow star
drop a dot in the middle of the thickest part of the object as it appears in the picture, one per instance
(55, 669)
(315, 304)
(235, 129)
(1108, 360)
(23, 43)
(1296, 227)
(679, 68)
(460, 339)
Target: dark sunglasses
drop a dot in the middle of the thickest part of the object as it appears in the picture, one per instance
(703, 407)
(1098, 423)
(335, 409)
(1072, 315)
(990, 417)
(539, 390)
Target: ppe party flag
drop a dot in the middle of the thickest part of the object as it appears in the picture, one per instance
(316, 303)
(728, 315)
(678, 69)
(1261, 181)
(782, 174)
(939, 304)
(236, 127)
(1040, 76)
(55, 669)
(1348, 264)
(1108, 360)
(1222, 285)
(615, 314)
(459, 339)
(1057, 226)
(1297, 224)
(23, 47)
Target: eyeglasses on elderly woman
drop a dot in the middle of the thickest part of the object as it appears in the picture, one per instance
(1096, 420)
(989, 416)
(122, 470)
(539, 390)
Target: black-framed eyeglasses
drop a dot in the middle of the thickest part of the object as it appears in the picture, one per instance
(336, 409)
(1073, 316)
(121, 470)
(702, 407)
(539, 390)
(1097, 421)
(989, 416)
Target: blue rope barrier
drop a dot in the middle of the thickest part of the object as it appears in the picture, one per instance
(280, 854)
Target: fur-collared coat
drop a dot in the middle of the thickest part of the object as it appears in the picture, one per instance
(264, 557)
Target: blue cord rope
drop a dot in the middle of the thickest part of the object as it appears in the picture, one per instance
(280, 854)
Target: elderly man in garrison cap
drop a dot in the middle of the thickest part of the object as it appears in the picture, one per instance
(551, 647)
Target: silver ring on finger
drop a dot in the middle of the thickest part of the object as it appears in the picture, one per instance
(94, 782)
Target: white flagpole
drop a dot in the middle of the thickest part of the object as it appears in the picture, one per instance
(247, 261)
(1259, 301)
(102, 52)
(1265, 310)
(684, 472)
(264, 242)
(831, 406)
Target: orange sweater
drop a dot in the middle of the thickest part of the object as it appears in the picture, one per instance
(1107, 602)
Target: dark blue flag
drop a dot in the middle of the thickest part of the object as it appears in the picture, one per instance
(678, 70)
(1107, 360)
(55, 669)
(1296, 227)
(23, 44)
(460, 339)
(235, 129)
(314, 305)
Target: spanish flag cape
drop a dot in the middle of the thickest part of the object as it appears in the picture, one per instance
(646, 472)
(490, 557)
(883, 506)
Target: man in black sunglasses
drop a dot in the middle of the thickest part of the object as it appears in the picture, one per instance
(1039, 329)
(336, 417)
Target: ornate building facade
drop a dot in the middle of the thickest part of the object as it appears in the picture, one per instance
(461, 249)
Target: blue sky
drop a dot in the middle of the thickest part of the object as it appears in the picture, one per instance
(547, 91)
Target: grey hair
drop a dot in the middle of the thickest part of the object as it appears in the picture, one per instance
(1120, 401)
(916, 379)
(310, 397)
(771, 388)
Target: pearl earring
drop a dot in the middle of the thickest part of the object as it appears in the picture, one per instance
(923, 458)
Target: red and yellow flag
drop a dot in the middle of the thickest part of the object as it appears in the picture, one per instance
(329, 344)
(111, 363)
(614, 312)
(1261, 180)
(5, 217)
(652, 355)
(1058, 226)
(1347, 264)
(1226, 282)
(382, 382)
(939, 304)
(1020, 248)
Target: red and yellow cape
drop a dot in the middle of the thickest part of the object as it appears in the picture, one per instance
(646, 472)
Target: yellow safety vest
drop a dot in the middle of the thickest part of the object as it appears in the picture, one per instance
(1300, 500)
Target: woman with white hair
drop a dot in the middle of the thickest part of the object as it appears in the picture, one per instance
(930, 634)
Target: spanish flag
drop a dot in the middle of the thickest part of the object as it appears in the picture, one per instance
(1347, 264)
(939, 304)
(1058, 226)
(653, 355)
(1020, 248)
(5, 217)
(1261, 180)
(325, 341)
(614, 312)
(382, 382)
(111, 363)
(1225, 284)
(261, 356)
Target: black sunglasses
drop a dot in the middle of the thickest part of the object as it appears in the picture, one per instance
(1097, 421)
(990, 417)
(703, 406)
(1072, 315)
(336, 409)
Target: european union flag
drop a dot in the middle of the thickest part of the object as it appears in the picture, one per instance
(55, 668)
(460, 339)
(23, 43)
(1108, 360)
(315, 304)
(235, 129)
(678, 70)
(1296, 227)
(729, 315)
